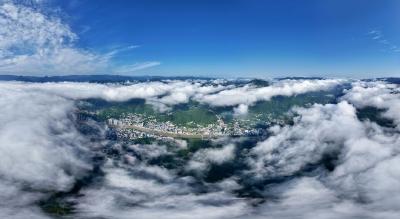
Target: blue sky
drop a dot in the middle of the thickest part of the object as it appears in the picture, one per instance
(237, 38)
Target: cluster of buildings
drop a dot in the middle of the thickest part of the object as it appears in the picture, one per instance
(134, 125)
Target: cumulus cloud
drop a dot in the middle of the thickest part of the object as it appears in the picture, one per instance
(41, 151)
(161, 94)
(308, 198)
(361, 182)
(379, 94)
(317, 130)
(248, 94)
(35, 42)
(137, 190)
(240, 110)
(164, 94)
(326, 163)
(202, 159)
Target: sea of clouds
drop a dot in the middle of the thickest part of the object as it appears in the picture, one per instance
(326, 164)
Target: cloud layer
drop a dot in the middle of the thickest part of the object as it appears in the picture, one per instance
(326, 163)
(164, 94)
(248, 94)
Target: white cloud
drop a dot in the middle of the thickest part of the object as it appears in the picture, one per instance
(38, 140)
(202, 159)
(126, 193)
(240, 110)
(41, 150)
(317, 130)
(38, 150)
(378, 36)
(364, 182)
(249, 95)
(126, 69)
(32, 42)
(309, 198)
(161, 94)
(377, 94)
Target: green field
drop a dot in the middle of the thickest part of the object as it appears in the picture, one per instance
(190, 114)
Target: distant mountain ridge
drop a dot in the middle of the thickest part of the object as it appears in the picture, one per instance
(92, 78)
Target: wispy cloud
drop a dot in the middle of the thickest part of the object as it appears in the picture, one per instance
(378, 36)
(33, 42)
(126, 69)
